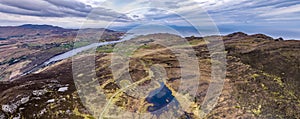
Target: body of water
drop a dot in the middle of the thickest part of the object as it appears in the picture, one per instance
(75, 51)
(162, 100)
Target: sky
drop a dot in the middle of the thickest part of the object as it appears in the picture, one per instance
(278, 18)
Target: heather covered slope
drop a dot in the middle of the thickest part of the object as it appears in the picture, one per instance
(275, 81)
(262, 81)
(276, 57)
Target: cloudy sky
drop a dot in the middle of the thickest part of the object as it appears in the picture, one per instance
(273, 17)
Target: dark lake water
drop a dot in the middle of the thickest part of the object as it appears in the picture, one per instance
(162, 100)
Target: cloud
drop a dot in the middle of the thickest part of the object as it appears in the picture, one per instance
(257, 12)
(57, 8)
(222, 11)
(263, 13)
(78, 6)
(283, 10)
(35, 8)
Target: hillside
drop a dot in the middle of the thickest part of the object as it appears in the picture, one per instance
(262, 81)
(27, 46)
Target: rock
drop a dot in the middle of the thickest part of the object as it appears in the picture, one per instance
(68, 112)
(39, 92)
(237, 35)
(51, 101)
(263, 36)
(9, 108)
(2, 115)
(22, 108)
(63, 99)
(25, 100)
(54, 81)
(62, 89)
(36, 98)
(279, 39)
(42, 112)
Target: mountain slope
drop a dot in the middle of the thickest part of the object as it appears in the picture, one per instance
(22, 48)
(261, 81)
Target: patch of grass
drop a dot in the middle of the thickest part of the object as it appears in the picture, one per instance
(197, 42)
(85, 116)
(257, 111)
(254, 76)
(81, 43)
(13, 60)
(279, 81)
(275, 78)
(145, 46)
(67, 46)
(105, 49)
(264, 87)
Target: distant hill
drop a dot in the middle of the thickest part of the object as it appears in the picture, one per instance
(32, 26)
(7, 32)
(26, 43)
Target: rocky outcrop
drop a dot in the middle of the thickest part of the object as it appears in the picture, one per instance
(262, 36)
(237, 35)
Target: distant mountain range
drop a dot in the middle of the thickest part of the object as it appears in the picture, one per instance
(7, 32)
(41, 27)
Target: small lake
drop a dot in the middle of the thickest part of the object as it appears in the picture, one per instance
(162, 100)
